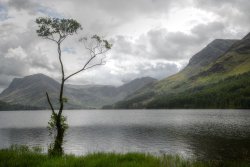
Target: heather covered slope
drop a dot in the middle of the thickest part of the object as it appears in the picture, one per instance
(219, 61)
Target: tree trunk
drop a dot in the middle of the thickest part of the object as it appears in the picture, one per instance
(57, 147)
(60, 128)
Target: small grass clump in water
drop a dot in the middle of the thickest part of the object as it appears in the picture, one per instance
(22, 156)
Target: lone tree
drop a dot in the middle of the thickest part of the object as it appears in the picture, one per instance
(57, 30)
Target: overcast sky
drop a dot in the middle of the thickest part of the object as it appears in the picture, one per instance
(150, 37)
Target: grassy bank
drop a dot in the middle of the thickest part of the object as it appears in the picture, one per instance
(22, 156)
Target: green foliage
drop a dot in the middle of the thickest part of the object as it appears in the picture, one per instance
(65, 99)
(100, 43)
(232, 92)
(52, 127)
(63, 27)
(107, 44)
(52, 124)
(22, 156)
(96, 37)
(25, 149)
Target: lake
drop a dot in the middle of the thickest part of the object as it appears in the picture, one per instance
(202, 134)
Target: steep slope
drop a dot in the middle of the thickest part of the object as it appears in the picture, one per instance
(197, 64)
(231, 92)
(31, 90)
(211, 52)
(216, 62)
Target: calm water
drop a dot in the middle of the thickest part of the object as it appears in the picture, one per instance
(209, 134)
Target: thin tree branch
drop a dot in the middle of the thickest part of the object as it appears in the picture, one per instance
(62, 38)
(50, 104)
(99, 64)
(60, 59)
(88, 48)
(63, 80)
(52, 39)
(85, 67)
(93, 55)
(80, 69)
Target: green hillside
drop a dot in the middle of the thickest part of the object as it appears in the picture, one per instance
(208, 81)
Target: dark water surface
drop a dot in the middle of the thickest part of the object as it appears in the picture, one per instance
(205, 134)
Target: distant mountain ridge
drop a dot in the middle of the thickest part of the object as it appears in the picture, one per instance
(194, 86)
(31, 90)
(8, 107)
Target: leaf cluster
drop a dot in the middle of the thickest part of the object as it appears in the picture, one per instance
(101, 41)
(52, 123)
(47, 27)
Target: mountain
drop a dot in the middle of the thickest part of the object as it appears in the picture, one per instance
(7, 107)
(215, 77)
(211, 52)
(31, 90)
(136, 84)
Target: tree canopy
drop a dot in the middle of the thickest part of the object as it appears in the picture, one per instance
(49, 27)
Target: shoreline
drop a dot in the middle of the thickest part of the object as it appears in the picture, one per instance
(23, 156)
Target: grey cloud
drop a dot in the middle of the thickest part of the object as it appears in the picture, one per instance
(178, 45)
(159, 70)
(39, 60)
(123, 45)
(29, 5)
(210, 30)
(12, 45)
(129, 8)
(33, 7)
(13, 67)
(107, 15)
(170, 46)
(26, 40)
(12, 38)
(234, 13)
(133, 56)
(158, 44)
(241, 5)
(5, 79)
(18, 67)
